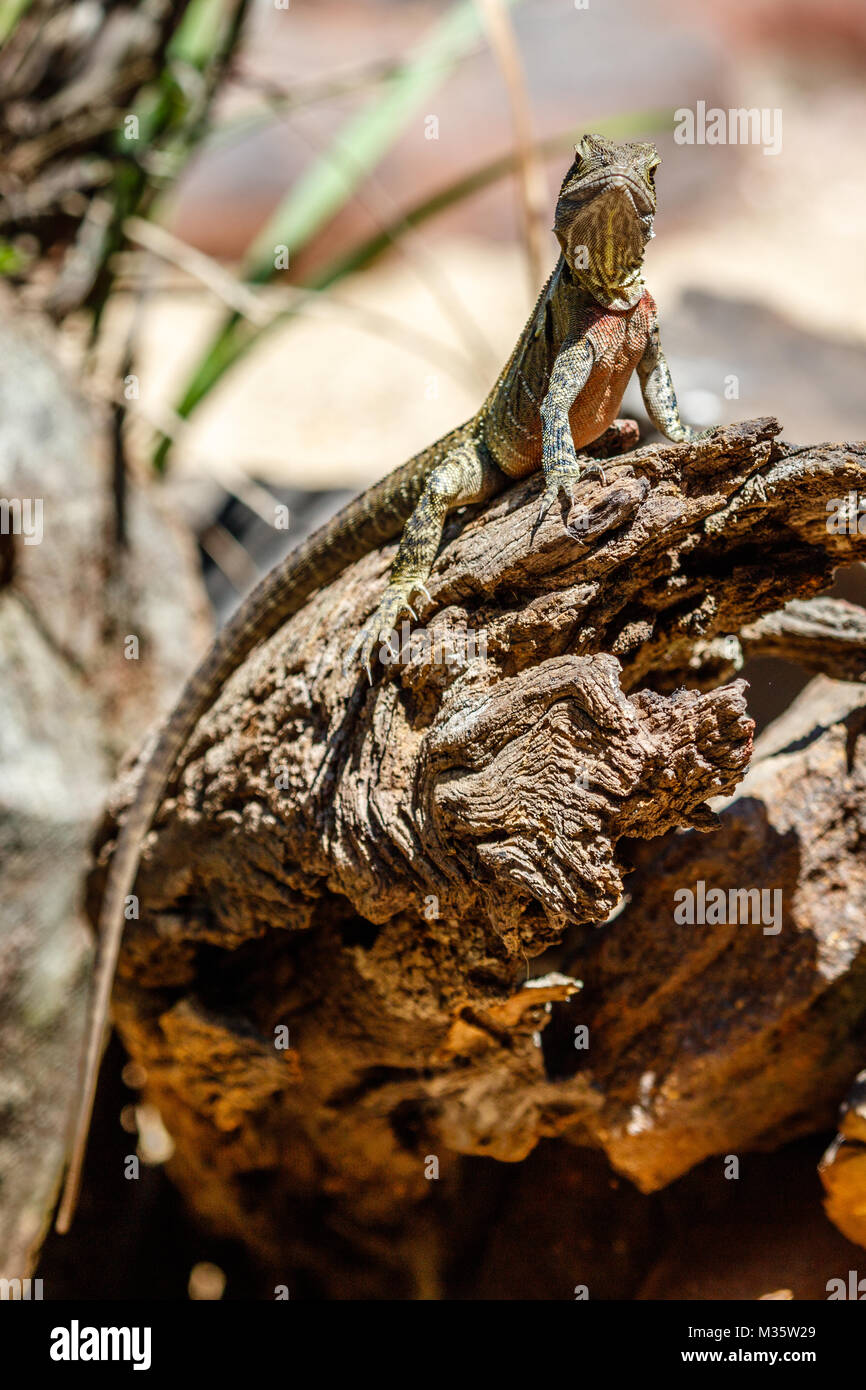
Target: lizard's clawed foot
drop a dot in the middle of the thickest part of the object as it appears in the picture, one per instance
(564, 479)
(379, 629)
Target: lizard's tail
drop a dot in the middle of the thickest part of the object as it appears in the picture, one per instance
(363, 525)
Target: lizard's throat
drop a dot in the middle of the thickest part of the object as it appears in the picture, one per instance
(620, 293)
(604, 246)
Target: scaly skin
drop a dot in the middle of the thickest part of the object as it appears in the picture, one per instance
(593, 325)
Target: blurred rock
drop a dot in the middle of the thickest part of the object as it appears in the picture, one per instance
(68, 603)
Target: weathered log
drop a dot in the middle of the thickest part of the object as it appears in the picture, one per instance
(733, 1035)
(373, 869)
(821, 634)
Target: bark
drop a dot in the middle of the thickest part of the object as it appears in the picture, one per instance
(374, 869)
(733, 1036)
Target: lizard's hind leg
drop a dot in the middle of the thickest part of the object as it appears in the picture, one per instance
(466, 474)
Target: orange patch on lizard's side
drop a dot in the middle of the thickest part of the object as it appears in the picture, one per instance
(619, 340)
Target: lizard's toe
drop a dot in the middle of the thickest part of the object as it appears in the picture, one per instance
(548, 497)
(578, 525)
(361, 651)
(565, 480)
(378, 635)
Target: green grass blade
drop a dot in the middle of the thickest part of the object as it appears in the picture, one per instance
(10, 13)
(197, 37)
(362, 142)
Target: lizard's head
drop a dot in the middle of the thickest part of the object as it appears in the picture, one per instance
(604, 216)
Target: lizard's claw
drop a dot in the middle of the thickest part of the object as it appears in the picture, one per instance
(593, 466)
(379, 630)
(563, 478)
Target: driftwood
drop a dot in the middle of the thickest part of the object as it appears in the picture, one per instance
(333, 982)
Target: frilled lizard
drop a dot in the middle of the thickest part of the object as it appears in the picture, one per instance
(594, 323)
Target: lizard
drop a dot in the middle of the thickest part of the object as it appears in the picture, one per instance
(593, 325)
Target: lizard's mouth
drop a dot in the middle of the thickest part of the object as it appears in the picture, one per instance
(586, 187)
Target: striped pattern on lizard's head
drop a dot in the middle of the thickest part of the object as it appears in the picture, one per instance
(604, 216)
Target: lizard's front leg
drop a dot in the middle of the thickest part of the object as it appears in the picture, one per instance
(659, 395)
(570, 374)
(466, 474)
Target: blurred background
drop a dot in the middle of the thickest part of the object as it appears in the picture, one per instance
(286, 245)
(365, 152)
(398, 161)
